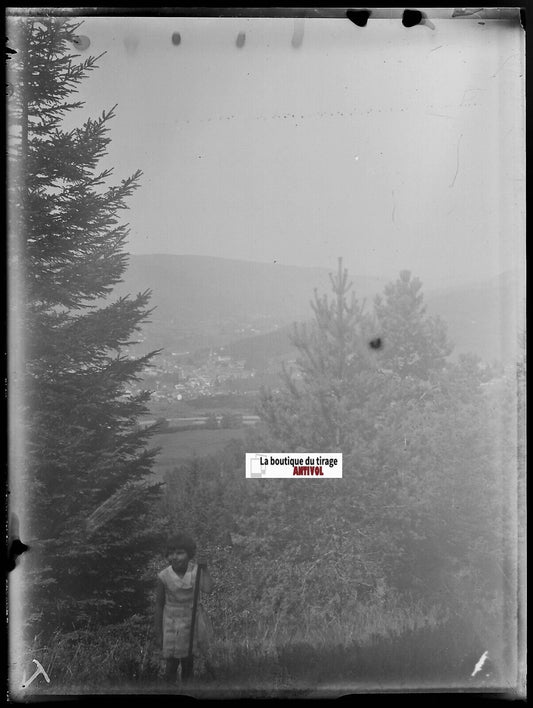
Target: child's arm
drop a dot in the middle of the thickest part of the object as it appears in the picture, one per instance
(158, 616)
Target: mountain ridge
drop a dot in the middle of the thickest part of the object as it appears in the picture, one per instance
(209, 301)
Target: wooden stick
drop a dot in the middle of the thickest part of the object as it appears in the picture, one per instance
(194, 608)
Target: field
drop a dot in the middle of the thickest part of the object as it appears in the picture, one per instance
(182, 445)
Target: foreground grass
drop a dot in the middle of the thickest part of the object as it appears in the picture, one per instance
(374, 653)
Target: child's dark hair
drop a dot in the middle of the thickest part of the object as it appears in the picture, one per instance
(182, 541)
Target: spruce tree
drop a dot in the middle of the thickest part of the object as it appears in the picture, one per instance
(414, 344)
(316, 529)
(330, 377)
(82, 442)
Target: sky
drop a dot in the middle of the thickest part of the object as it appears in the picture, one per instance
(392, 147)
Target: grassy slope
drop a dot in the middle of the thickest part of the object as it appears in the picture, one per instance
(180, 446)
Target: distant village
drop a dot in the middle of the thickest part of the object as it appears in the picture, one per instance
(180, 376)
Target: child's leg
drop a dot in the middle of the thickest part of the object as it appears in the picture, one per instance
(171, 670)
(186, 668)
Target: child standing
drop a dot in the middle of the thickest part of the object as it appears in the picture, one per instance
(174, 605)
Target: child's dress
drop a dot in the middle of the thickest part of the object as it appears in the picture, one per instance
(177, 614)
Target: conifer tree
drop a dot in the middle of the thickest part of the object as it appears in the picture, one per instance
(80, 433)
(317, 527)
(414, 344)
(330, 378)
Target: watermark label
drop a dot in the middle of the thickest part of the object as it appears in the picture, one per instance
(282, 465)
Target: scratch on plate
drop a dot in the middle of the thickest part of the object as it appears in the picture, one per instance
(457, 167)
(393, 206)
(435, 48)
(479, 665)
(467, 12)
(503, 64)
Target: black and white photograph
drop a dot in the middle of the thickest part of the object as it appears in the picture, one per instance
(266, 352)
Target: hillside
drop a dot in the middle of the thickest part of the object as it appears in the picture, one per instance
(250, 307)
(192, 288)
(483, 318)
(260, 350)
(207, 302)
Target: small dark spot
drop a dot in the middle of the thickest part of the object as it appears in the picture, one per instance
(375, 343)
(411, 18)
(16, 548)
(176, 38)
(81, 42)
(358, 17)
(9, 50)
